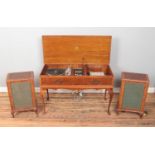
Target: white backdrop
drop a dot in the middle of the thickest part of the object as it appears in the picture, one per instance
(133, 49)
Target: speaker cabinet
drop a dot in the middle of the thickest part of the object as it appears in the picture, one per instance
(133, 92)
(21, 92)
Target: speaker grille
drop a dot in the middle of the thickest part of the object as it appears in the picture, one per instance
(133, 96)
(22, 94)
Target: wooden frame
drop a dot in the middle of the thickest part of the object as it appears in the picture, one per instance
(21, 77)
(133, 78)
(77, 51)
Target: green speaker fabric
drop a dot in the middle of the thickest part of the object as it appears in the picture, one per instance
(22, 94)
(133, 95)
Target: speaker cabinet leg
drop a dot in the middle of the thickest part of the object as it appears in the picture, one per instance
(141, 115)
(110, 100)
(47, 95)
(13, 115)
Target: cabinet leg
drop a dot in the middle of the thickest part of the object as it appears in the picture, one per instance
(47, 95)
(105, 94)
(110, 100)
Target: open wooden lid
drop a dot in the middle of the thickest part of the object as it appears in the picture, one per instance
(76, 49)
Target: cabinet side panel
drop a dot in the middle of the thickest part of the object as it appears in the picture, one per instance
(133, 96)
(22, 94)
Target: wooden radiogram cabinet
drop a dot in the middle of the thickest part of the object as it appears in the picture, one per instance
(84, 56)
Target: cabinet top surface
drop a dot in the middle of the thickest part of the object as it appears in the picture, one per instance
(20, 76)
(135, 76)
(76, 49)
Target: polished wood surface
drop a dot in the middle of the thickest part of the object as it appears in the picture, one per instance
(77, 82)
(67, 110)
(19, 76)
(76, 49)
(86, 52)
(129, 77)
(135, 77)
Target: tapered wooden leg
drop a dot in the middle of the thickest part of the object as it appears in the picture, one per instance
(47, 94)
(110, 100)
(105, 94)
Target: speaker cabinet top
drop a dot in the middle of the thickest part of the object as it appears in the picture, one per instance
(135, 77)
(19, 76)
